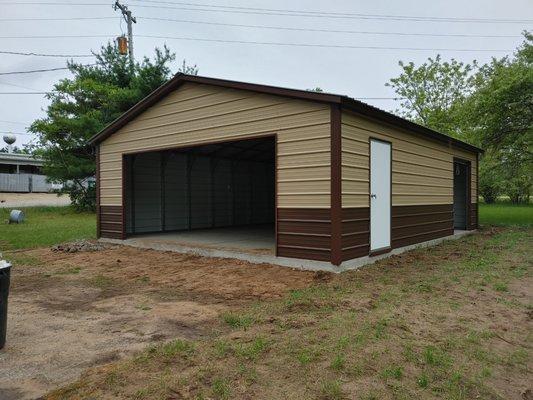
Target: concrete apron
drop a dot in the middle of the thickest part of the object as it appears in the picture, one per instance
(295, 263)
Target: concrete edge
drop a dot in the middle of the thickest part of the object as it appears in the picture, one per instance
(362, 261)
(295, 263)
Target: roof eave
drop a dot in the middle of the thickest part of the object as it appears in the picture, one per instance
(373, 112)
(346, 102)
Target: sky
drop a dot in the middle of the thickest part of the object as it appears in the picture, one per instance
(297, 50)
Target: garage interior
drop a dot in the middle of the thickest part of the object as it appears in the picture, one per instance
(219, 195)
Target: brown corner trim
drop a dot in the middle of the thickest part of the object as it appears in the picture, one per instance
(336, 185)
(98, 222)
(123, 233)
(477, 191)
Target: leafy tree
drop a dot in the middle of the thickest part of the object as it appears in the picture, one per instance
(500, 113)
(83, 105)
(502, 103)
(16, 150)
(490, 178)
(490, 106)
(433, 92)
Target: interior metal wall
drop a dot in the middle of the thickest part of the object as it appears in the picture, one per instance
(169, 191)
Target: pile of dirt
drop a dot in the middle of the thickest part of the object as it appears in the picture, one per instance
(80, 245)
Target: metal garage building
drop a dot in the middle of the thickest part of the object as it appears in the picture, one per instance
(313, 176)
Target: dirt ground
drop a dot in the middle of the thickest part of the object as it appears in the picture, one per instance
(11, 200)
(105, 305)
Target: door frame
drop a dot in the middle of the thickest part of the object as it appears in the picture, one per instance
(468, 197)
(387, 249)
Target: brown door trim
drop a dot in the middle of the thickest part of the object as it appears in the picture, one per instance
(124, 171)
(276, 193)
(389, 247)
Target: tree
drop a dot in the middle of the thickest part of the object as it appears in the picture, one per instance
(16, 150)
(500, 114)
(489, 106)
(83, 105)
(490, 178)
(433, 92)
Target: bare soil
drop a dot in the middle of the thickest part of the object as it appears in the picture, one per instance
(449, 322)
(71, 311)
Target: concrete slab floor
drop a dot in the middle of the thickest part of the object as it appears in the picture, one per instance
(256, 239)
(259, 256)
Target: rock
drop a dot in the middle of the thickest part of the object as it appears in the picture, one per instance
(80, 245)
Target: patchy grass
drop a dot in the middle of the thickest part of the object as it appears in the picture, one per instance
(101, 281)
(506, 214)
(45, 226)
(237, 321)
(432, 324)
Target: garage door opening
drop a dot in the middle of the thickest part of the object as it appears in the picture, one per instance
(218, 195)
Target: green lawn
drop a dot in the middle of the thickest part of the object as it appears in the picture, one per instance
(506, 214)
(45, 226)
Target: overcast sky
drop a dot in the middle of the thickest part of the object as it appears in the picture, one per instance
(357, 72)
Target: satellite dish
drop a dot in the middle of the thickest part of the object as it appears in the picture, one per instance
(10, 139)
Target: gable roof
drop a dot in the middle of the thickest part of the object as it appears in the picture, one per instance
(344, 102)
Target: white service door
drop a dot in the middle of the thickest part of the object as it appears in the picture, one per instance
(380, 195)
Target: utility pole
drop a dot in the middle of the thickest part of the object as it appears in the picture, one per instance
(129, 20)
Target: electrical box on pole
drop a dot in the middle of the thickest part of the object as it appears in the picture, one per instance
(130, 20)
(122, 43)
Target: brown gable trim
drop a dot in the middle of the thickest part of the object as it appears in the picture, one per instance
(179, 79)
(346, 102)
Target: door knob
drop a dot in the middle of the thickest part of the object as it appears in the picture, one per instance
(373, 196)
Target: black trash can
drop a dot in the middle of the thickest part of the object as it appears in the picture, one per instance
(5, 272)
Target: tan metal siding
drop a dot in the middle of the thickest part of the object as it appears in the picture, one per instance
(422, 170)
(195, 114)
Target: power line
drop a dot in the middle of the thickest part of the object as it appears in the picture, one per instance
(46, 55)
(54, 19)
(263, 27)
(330, 13)
(333, 46)
(40, 70)
(12, 122)
(18, 86)
(50, 3)
(317, 14)
(285, 12)
(55, 36)
(327, 30)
